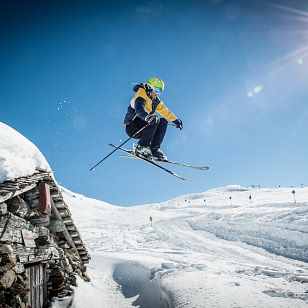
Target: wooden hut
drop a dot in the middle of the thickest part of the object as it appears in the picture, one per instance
(41, 251)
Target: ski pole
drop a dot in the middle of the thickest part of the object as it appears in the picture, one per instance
(139, 131)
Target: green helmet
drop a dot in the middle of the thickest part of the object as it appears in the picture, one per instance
(156, 83)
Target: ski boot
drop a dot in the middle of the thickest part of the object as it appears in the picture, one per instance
(143, 151)
(159, 155)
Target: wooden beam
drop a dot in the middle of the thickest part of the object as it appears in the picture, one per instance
(65, 232)
(16, 193)
(44, 198)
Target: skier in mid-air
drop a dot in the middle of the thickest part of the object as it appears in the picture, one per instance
(142, 123)
(141, 113)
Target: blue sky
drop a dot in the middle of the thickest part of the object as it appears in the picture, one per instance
(235, 73)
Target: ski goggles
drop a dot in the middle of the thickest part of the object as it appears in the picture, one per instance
(157, 90)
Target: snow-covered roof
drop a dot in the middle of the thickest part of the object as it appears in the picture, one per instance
(18, 155)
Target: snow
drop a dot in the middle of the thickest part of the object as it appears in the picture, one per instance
(218, 248)
(203, 250)
(18, 156)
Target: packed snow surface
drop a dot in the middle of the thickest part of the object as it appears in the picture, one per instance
(18, 156)
(227, 247)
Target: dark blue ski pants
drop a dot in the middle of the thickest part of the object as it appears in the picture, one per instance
(152, 136)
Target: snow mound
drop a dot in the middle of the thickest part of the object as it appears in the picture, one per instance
(85, 210)
(231, 189)
(18, 156)
(198, 250)
(201, 197)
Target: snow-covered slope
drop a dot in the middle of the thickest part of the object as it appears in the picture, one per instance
(227, 247)
(18, 156)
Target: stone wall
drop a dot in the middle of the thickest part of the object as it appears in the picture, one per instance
(41, 251)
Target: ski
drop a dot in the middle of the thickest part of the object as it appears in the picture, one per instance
(173, 163)
(148, 161)
(184, 165)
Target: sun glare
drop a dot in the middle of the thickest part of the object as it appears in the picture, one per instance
(290, 54)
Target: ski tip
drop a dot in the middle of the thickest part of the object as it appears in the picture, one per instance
(181, 178)
(203, 168)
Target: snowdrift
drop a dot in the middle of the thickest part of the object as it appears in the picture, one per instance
(18, 156)
(204, 250)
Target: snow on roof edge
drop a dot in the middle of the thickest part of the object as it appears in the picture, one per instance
(18, 155)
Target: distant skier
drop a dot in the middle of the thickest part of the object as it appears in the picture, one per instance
(141, 112)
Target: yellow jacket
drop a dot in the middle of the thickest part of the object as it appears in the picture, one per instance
(141, 105)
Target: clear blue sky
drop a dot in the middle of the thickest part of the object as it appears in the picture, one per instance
(236, 73)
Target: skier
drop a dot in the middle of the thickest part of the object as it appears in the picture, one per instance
(141, 112)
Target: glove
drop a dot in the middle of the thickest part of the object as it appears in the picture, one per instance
(152, 119)
(178, 123)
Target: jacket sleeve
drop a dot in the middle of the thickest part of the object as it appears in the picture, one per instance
(165, 112)
(139, 108)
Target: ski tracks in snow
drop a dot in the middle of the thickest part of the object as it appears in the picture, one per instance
(213, 255)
